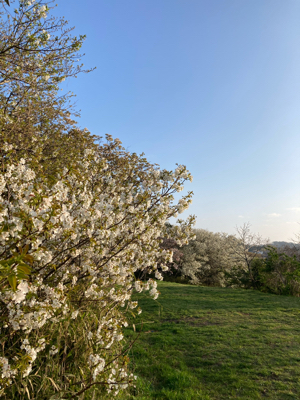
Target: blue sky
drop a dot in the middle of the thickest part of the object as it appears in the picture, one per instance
(212, 84)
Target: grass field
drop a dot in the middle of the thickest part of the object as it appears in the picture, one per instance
(216, 343)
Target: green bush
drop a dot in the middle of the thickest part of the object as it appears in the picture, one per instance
(277, 273)
(280, 273)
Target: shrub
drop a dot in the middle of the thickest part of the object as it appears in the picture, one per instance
(69, 251)
(279, 273)
(276, 272)
(248, 278)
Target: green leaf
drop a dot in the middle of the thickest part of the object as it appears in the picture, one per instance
(28, 258)
(24, 268)
(12, 279)
(7, 263)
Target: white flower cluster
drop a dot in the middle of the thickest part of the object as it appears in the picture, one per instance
(32, 353)
(148, 285)
(97, 363)
(121, 376)
(7, 373)
(20, 294)
(53, 350)
(83, 236)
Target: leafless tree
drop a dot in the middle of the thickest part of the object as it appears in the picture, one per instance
(251, 246)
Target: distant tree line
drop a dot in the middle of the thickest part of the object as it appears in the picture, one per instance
(243, 260)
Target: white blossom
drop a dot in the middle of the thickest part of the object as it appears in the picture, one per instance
(74, 225)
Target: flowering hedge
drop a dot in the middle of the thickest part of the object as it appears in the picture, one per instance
(77, 220)
(69, 249)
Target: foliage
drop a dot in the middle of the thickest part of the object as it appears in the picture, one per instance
(279, 273)
(37, 52)
(239, 275)
(216, 259)
(86, 236)
(275, 272)
(77, 219)
(246, 250)
(173, 270)
(208, 258)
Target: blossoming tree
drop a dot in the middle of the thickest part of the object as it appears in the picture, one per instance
(71, 249)
(74, 228)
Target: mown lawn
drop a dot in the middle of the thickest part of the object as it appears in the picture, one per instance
(216, 343)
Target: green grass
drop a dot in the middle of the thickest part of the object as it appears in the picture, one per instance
(216, 343)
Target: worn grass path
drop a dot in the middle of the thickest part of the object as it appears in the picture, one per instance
(216, 343)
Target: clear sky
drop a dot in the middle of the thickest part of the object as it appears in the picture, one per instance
(212, 84)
